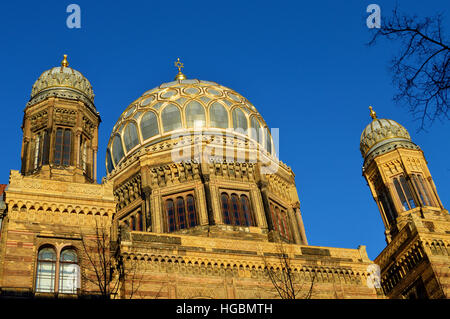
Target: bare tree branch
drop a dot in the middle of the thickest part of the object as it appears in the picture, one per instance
(421, 67)
(105, 261)
(282, 277)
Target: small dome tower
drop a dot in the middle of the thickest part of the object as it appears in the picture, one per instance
(397, 174)
(60, 127)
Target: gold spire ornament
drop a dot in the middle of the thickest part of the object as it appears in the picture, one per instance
(373, 115)
(64, 62)
(179, 65)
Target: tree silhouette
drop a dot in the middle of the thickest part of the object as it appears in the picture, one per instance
(421, 70)
(105, 267)
(283, 278)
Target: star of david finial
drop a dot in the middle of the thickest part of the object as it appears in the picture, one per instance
(179, 65)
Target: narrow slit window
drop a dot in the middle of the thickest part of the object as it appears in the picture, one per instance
(407, 191)
(226, 209)
(170, 215)
(181, 212)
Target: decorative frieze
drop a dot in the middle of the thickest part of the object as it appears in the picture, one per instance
(128, 191)
(39, 120)
(63, 116)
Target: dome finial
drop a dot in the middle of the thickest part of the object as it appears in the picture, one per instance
(64, 62)
(179, 65)
(373, 115)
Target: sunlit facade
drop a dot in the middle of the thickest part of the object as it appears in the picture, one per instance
(196, 203)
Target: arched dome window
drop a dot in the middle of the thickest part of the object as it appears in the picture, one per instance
(117, 149)
(239, 121)
(68, 272)
(171, 118)
(46, 270)
(149, 125)
(256, 130)
(109, 163)
(218, 116)
(130, 136)
(195, 114)
(268, 141)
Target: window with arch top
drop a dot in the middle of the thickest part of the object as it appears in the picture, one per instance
(180, 211)
(171, 118)
(118, 153)
(268, 140)
(195, 115)
(65, 268)
(46, 270)
(239, 120)
(149, 125)
(68, 272)
(236, 209)
(256, 132)
(218, 116)
(109, 163)
(130, 136)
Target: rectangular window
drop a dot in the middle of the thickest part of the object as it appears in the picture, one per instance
(66, 147)
(46, 277)
(63, 140)
(280, 220)
(68, 278)
(404, 193)
(58, 146)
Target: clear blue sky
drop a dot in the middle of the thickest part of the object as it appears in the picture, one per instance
(304, 65)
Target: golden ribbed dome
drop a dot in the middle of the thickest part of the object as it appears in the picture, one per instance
(62, 81)
(183, 105)
(380, 132)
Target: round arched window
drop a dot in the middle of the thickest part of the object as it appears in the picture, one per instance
(46, 270)
(149, 125)
(117, 149)
(239, 121)
(171, 118)
(195, 115)
(130, 136)
(218, 116)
